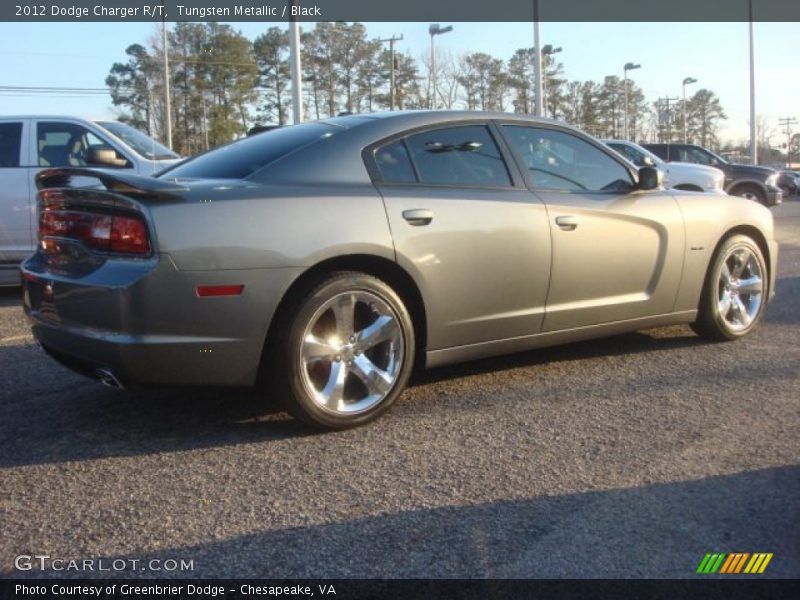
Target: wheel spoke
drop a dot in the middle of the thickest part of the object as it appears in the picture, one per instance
(344, 312)
(333, 392)
(383, 329)
(742, 257)
(741, 310)
(725, 304)
(725, 274)
(376, 380)
(752, 285)
(317, 349)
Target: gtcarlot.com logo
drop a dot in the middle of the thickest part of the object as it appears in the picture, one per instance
(734, 563)
(45, 562)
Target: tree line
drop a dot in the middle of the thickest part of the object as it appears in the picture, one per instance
(222, 83)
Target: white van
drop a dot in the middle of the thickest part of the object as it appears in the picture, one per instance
(29, 144)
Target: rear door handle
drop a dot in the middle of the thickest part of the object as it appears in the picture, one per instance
(418, 216)
(568, 222)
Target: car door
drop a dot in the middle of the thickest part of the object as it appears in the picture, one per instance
(465, 226)
(617, 252)
(16, 203)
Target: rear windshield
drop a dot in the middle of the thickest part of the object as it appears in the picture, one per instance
(240, 159)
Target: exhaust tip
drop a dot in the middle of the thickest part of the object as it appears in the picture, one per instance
(107, 378)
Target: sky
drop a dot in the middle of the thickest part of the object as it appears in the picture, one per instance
(716, 54)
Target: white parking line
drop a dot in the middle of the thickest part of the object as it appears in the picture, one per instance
(16, 338)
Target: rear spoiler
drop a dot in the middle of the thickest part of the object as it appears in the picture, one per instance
(113, 180)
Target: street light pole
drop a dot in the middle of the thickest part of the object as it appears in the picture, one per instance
(167, 100)
(628, 67)
(547, 50)
(537, 58)
(434, 30)
(391, 41)
(753, 144)
(686, 82)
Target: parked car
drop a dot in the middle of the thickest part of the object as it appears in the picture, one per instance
(749, 181)
(29, 144)
(327, 259)
(677, 175)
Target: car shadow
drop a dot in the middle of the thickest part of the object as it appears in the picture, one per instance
(660, 530)
(654, 340)
(51, 415)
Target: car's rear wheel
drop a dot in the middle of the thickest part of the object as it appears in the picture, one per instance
(349, 351)
(751, 192)
(735, 291)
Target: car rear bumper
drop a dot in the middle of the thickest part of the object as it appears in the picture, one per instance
(138, 321)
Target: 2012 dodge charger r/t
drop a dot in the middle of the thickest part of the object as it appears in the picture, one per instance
(325, 260)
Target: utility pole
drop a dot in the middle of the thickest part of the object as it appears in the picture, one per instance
(788, 122)
(167, 102)
(668, 115)
(391, 41)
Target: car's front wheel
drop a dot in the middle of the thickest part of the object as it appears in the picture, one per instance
(349, 351)
(735, 290)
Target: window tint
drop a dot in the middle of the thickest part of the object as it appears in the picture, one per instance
(242, 158)
(631, 154)
(394, 163)
(458, 156)
(142, 144)
(561, 161)
(696, 155)
(10, 136)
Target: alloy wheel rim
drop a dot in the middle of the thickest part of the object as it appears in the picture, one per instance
(351, 353)
(740, 288)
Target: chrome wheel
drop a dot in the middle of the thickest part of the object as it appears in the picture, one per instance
(740, 288)
(351, 353)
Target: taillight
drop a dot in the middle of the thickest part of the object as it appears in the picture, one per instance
(123, 234)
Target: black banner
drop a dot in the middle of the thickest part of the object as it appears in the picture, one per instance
(733, 588)
(452, 11)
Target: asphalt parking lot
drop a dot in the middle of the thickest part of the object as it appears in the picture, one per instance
(626, 457)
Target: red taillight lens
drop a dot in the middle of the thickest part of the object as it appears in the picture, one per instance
(123, 234)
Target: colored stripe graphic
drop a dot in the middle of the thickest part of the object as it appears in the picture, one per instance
(734, 563)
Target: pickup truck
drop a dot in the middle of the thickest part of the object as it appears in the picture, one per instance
(749, 181)
(29, 144)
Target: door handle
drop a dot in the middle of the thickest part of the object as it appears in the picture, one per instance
(568, 222)
(418, 216)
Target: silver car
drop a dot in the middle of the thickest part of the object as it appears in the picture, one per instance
(326, 260)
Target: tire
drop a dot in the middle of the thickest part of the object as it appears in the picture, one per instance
(735, 291)
(751, 192)
(348, 353)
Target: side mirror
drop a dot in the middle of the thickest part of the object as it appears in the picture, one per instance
(650, 178)
(104, 156)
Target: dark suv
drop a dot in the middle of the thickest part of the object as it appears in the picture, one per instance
(756, 183)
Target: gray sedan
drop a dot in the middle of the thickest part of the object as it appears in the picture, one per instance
(325, 261)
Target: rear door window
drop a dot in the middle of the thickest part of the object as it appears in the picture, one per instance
(394, 163)
(10, 139)
(460, 156)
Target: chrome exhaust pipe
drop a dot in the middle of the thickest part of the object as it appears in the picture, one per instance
(107, 378)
